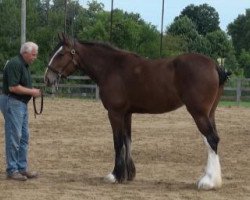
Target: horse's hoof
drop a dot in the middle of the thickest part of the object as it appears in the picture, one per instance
(207, 183)
(110, 178)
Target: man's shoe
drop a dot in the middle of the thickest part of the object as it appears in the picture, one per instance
(29, 174)
(17, 176)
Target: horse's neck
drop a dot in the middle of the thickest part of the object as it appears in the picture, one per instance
(96, 62)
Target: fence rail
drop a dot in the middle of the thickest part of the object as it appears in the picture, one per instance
(82, 86)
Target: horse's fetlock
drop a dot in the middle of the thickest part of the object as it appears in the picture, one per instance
(213, 141)
(131, 171)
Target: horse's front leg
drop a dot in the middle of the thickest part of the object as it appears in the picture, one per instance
(117, 124)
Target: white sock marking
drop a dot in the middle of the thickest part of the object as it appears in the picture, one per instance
(110, 178)
(212, 178)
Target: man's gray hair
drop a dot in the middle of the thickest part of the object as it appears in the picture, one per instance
(28, 47)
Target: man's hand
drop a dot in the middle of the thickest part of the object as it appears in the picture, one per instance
(36, 92)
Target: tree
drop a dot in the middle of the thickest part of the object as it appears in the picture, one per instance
(45, 18)
(222, 47)
(205, 18)
(193, 41)
(131, 32)
(183, 26)
(93, 23)
(220, 44)
(244, 62)
(201, 45)
(188, 37)
(9, 29)
(174, 45)
(239, 30)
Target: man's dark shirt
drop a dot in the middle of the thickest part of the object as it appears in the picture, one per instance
(16, 72)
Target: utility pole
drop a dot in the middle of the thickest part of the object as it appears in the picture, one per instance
(23, 22)
(65, 16)
(111, 21)
(162, 18)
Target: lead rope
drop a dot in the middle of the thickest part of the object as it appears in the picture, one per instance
(41, 107)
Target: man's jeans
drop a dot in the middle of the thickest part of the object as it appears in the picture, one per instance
(15, 114)
(3, 99)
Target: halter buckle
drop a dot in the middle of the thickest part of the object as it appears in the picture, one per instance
(73, 51)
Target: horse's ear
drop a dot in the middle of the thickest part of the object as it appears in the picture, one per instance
(65, 39)
(61, 37)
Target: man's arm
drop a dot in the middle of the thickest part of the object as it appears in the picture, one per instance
(19, 89)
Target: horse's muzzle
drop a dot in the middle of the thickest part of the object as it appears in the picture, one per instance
(50, 78)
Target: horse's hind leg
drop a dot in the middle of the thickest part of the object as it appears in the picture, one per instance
(206, 125)
(212, 112)
(130, 167)
(212, 177)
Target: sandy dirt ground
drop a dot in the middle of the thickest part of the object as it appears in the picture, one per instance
(71, 146)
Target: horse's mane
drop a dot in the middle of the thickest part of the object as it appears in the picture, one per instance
(107, 46)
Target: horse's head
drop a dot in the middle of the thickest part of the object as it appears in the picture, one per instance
(62, 61)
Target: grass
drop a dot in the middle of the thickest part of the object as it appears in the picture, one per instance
(245, 104)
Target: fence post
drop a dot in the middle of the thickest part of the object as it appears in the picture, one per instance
(238, 91)
(53, 91)
(97, 92)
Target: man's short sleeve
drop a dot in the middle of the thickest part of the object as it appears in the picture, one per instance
(14, 74)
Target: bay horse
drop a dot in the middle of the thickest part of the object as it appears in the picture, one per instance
(131, 84)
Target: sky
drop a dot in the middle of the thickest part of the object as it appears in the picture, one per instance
(151, 10)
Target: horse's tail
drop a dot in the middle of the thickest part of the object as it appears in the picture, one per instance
(223, 75)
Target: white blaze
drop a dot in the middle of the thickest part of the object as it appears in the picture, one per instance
(46, 76)
(51, 60)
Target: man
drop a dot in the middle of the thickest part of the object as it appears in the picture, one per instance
(17, 91)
